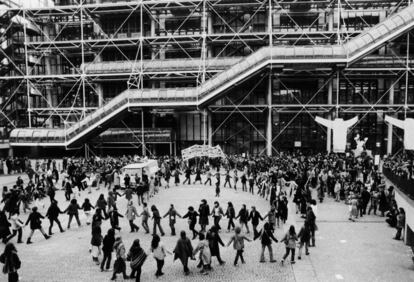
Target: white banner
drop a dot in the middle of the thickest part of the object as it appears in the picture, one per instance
(202, 151)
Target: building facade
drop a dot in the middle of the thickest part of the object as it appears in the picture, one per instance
(156, 76)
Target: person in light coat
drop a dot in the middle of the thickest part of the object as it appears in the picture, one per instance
(131, 214)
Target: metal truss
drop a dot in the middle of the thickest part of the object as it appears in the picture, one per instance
(225, 30)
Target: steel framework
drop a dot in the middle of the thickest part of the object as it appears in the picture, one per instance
(167, 44)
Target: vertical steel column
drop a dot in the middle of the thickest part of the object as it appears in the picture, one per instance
(389, 129)
(407, 75)
(205, 125)
(204, 43)
(210, 128)
(83, 60)
(328, 130)
(269, 133)
(142, 134)
(29, 108)
(141, 43)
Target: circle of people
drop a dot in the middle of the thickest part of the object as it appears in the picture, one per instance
(342, 178)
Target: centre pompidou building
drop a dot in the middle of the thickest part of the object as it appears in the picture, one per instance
(157, 76)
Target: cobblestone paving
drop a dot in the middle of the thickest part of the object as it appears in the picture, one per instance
(360, 251)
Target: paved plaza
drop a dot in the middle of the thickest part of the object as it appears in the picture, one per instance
(347, 251)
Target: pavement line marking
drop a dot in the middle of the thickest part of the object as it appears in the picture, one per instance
(343, 241)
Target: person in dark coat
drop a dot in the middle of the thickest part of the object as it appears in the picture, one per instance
(157, 221)
(231, 214)
(198, 176)
(311, 219)
(11, 262)
(243, 217)
(96, 242)
(282, 210)
(183, 251)
(72, 211)
(52, 214)
(192, 220)
(383, 203)
(204, 212)
(266, 236)
(97, 218)
(214, 240)
(35, 220)
(107, 247)
(254, 217)
(187, 176)
(114, 216)
(4, 227)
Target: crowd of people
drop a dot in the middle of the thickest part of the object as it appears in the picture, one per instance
(306, 179)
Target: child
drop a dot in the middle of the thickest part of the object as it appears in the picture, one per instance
(87, 209)
(238, 244)
(217, 189)
(290, 242)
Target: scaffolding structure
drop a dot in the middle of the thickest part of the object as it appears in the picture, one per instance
(85, 61)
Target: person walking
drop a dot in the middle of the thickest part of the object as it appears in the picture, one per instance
(114, 216)
(243, 218)
(145, 215)
(183, 251)
(156, 217)
(235, 178)
(72, 211)
(271, 215)
(290, 239)
(187, 174)
(254, 217)
(87, 210)
(304, 238)
(16, 226)
(231, 214)
(107, 248)
(131, 214)
(204, 212)
(159, 252)
(35, 220)
(172, 215)
(96, 242)
(217, 213)
(208, 177)
(227, 179)
(53, 215)
(198, 176)
(311, 218)
(266, 236)
(205, 254)
(192, 220)
(102, 204)
(238, 244)
(137, 257)
(11, 262)
(214, 241)
(4, 226)
(119, 264)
